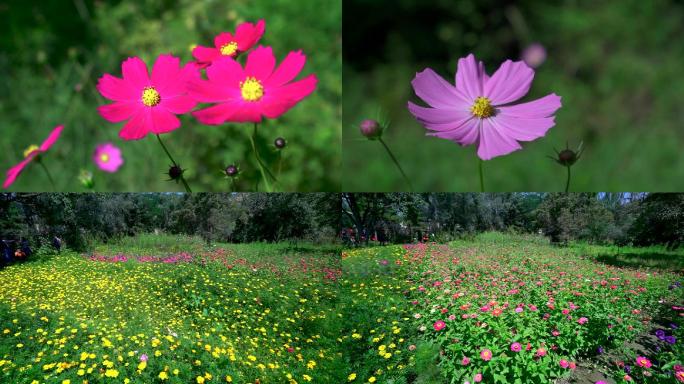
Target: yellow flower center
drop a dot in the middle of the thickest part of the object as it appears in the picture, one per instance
(150, 97)
(229, 49)
(252, 90)
(482, 108)
(104, 158)
(30, 149)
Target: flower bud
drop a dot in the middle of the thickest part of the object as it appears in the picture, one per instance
(232, 170)
(86, 179)
(567, 157)
(371, 129)
(175, 172)
(280, 143)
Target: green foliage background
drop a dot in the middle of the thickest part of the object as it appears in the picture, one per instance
(53, 52)
(615, 63)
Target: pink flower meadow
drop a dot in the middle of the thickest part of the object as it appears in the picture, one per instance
(226, 44)
(108, 157)
(259, 90)
(30, 154)
(149, 103)
(478, 108)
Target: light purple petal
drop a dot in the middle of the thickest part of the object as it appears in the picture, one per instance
(465, 134)
(494, 143)
(523, 129)
(544, 107)
(437, 92)
(438, 115)
(470, 77)
(509, 83)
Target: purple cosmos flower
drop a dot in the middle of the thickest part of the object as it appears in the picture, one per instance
(478, 110)
(660, 334)
(671, 339)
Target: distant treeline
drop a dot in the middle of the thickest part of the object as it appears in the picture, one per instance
(615, 218)
(83, 218)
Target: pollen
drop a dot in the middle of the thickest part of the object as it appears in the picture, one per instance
(104, 158)
(482, 108)
(150, 97)
(30, 149)
(251, 89)
(229, 49)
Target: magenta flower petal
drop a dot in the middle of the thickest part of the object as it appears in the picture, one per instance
(231, 45)
(117, 112)
(247, 34)
(470, 77)
(135, 128)
(509, 83)
(205, 54)
(494, 143)
(435, 91)
(543, 107)
(164, 71)
(179, 104)
(14, 172)
(434, 115)
(464, 134)
(288, 69)
(523, 129)
(52, 137)
(260, 63)
(216, 114)
(116, 89)
(134, 72)
(163, 121)
(222, 39)
(226, 71)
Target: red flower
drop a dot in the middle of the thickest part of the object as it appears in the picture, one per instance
(31, 154)
(439, 325)
(245, 95)
(148, 103)
(226, 44)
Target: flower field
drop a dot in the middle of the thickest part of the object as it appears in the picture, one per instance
(243, 314)
(509, 309)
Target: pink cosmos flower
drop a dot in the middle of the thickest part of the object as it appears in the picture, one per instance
(534, 55)
(643, 362)
(582, 320)
(486, 354)
(143, 357)
(108, 157)
(149, 103)
(465, 361)
(477, 378)
(31, 153)
(226, 44)
(564, 363)
(439, 325)
(260, 89)
(516, 347)
(478, 109)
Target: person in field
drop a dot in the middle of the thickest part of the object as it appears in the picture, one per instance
(57, 243)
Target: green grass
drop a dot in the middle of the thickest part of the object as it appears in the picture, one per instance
(52, 55)
(617, 86)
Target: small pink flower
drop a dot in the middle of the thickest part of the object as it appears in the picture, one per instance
(516, 347)
(564, 363)
(486, 354)
(629, 378)
(534, 55)
(643, 362)
(149, 103)
(439, 325)
(572, 365)
(465, 361)
(143, 357)
(541, 352)
(452, 317)
(255, 91)
(227, 44)
(582, 320)
(108, 157)
(477, 378)
(555, 332)
(31, 153)
(412, 347)
(518, 309)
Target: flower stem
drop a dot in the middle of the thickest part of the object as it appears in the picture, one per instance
(394, 159)
(232, 184)
(182, 178)
(280, 161)
(47, 173)
(567, 182)
(262, 168)
(482, 188)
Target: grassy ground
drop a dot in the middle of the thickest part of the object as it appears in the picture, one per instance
(617, 86)
(136, 312)
(395, 296)
(52, 53)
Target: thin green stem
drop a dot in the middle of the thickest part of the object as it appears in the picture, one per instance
(52, 181)
(258, 159)
(394, 159)
(232, 184)
(182, 178)
(280, 161)
(567, 182)
(482, 188)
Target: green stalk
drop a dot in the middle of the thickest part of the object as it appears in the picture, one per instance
(258, 159)
(394, 159)
(482, 188)
(185, 183)
(38, 159)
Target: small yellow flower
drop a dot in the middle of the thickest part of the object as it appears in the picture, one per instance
(176, 371)
(142, 365)
(112, 373)
(163, 375)
(229, 379)
(351, 377)
(306, 377)
(66, 381)
(252, 358)
(200, 379)
(371, 379)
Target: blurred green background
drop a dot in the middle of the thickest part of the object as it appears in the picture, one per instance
(617, 65)
(53, 52)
